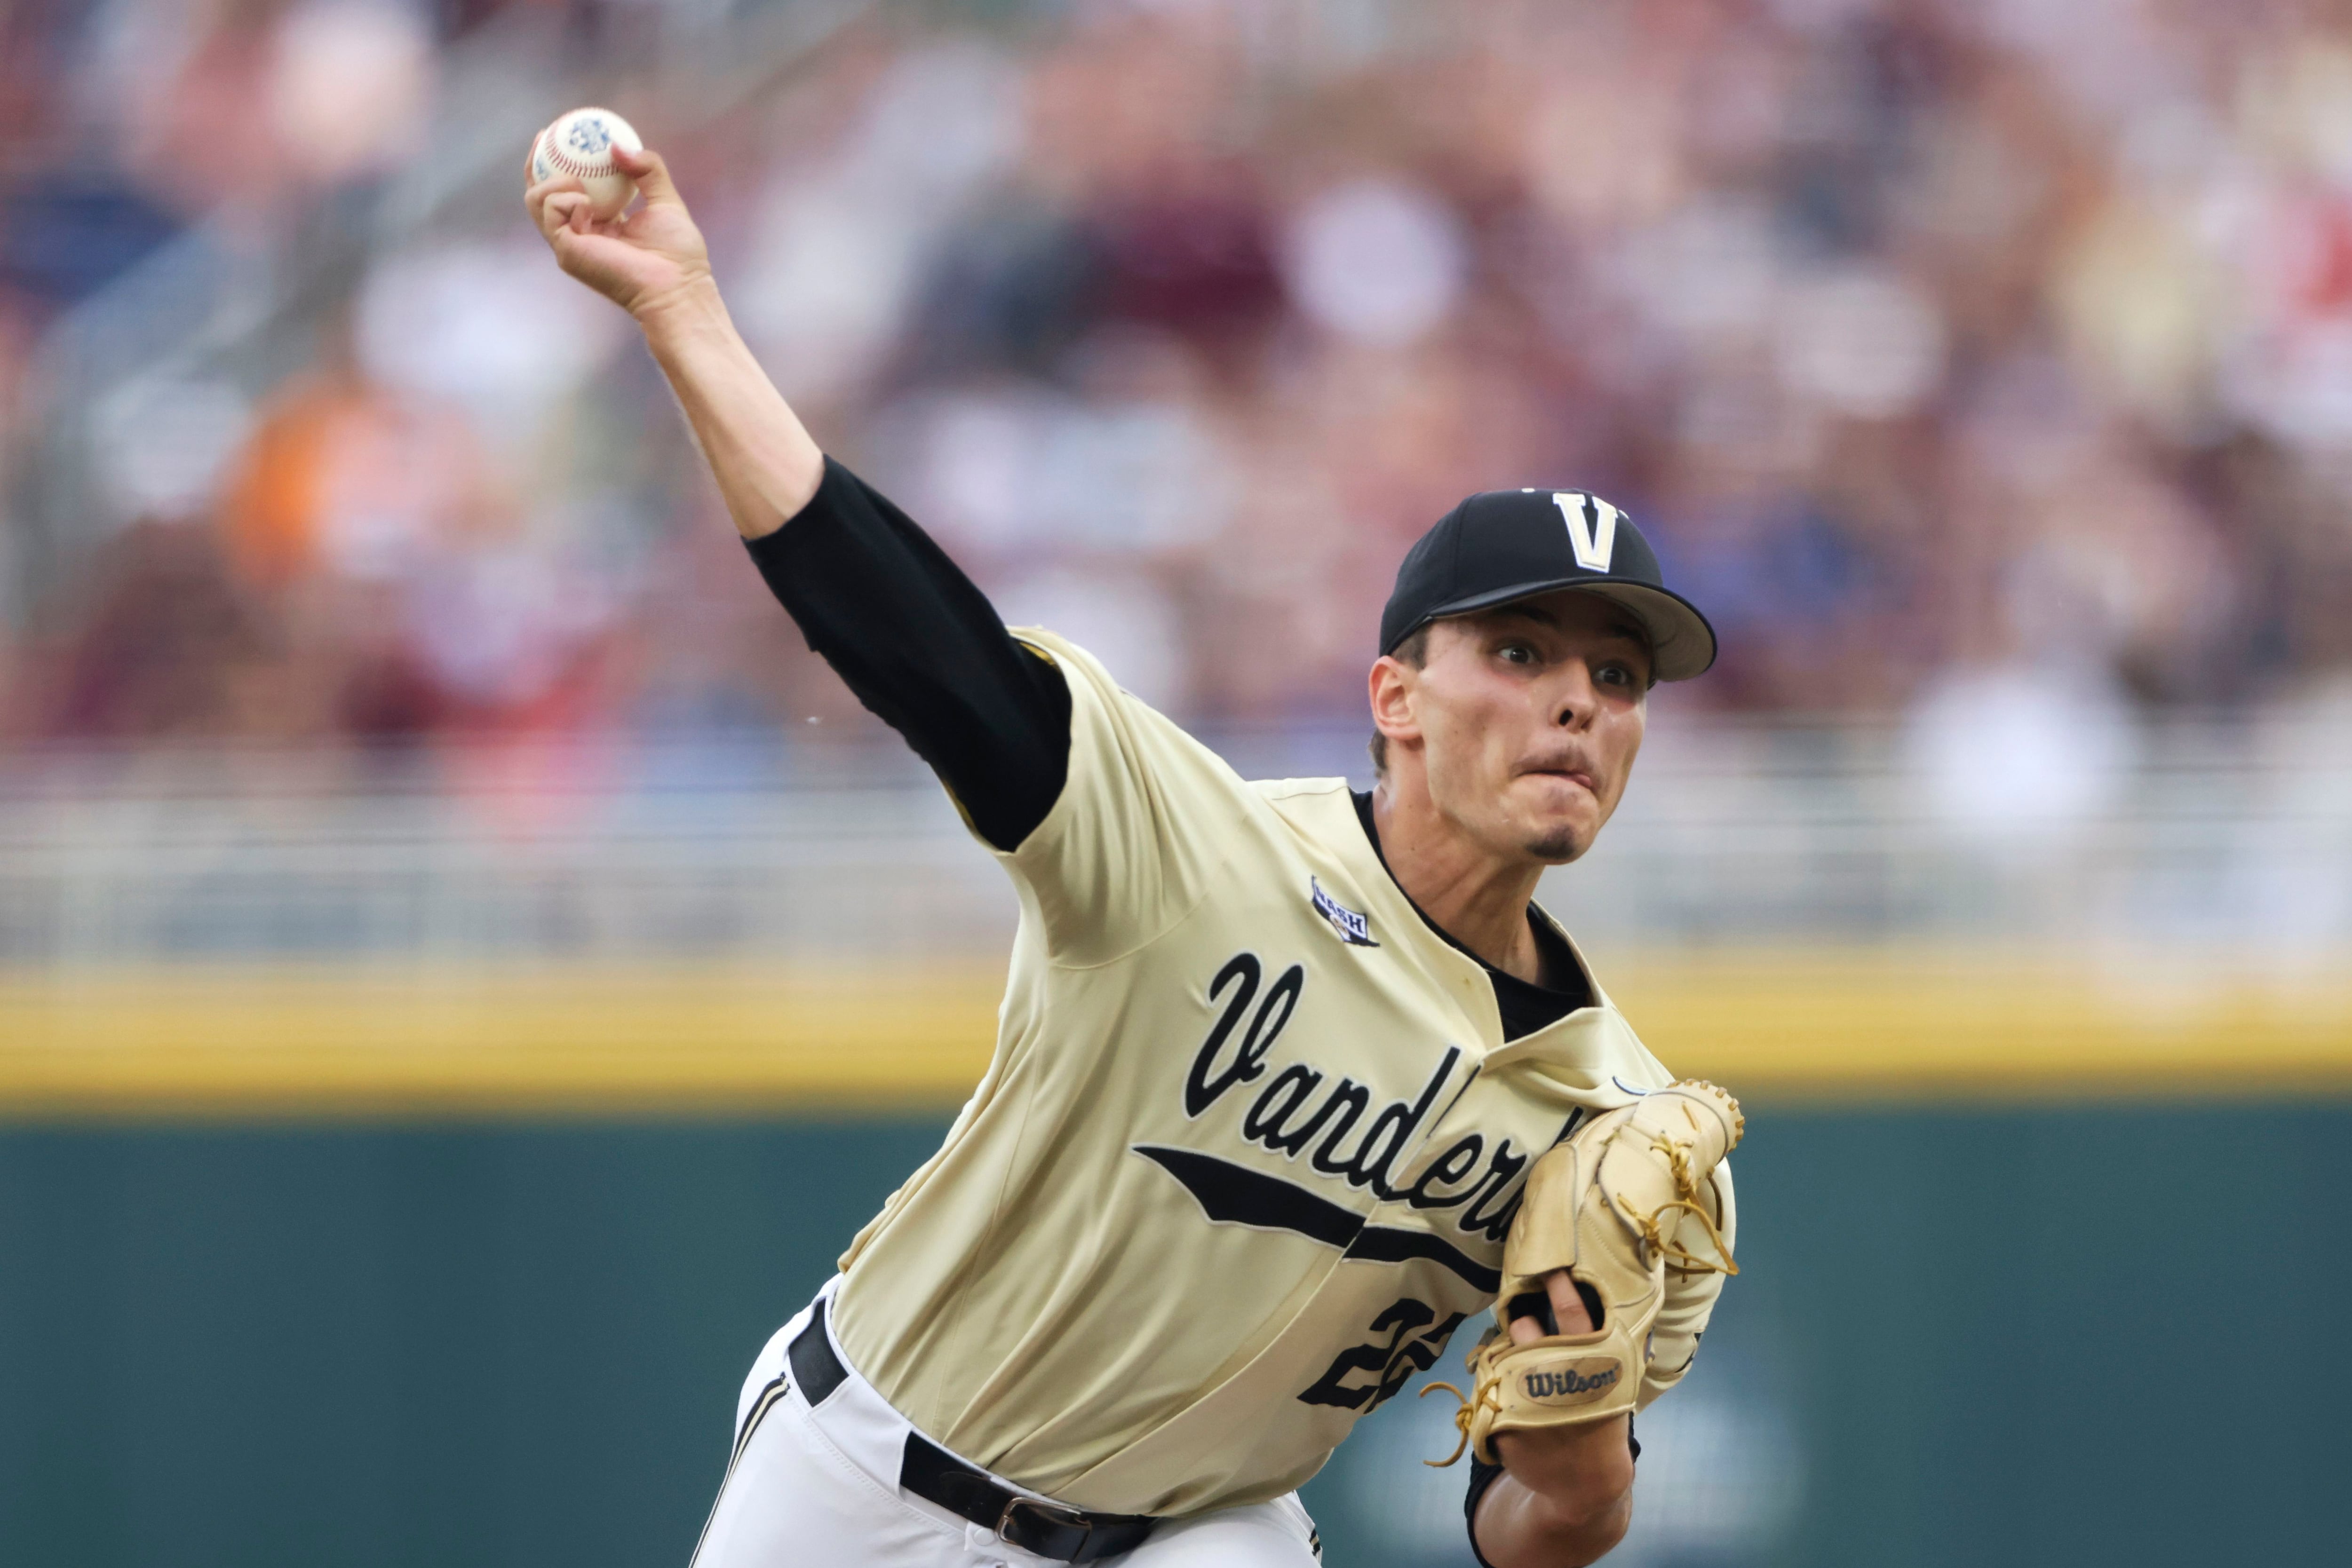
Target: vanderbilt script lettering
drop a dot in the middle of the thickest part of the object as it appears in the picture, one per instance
(1303, 1109)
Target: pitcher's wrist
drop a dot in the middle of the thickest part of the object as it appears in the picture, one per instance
(686, 309)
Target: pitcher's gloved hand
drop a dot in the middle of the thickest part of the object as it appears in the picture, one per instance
(1629, 1208)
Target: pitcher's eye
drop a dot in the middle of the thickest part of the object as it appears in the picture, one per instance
(1517, 652)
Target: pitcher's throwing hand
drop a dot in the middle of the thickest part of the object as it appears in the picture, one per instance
(647, 256)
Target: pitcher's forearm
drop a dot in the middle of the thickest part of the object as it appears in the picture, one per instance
(1565, 1499)
(766, 464)
(1520, 1528)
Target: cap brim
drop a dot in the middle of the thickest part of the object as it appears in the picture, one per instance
(1682, 643)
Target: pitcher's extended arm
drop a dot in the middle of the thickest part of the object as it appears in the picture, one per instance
(905, 630)
(654, 264)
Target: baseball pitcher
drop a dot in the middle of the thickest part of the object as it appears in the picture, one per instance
(1291, 1083)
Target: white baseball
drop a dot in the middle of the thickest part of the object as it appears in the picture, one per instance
(580, 144)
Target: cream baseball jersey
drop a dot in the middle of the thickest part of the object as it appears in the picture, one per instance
(1244, 1156)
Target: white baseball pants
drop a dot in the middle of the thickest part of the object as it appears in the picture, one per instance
(818, 1488)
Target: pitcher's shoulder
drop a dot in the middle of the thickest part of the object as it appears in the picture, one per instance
(1282, 790)
(1634, 1068)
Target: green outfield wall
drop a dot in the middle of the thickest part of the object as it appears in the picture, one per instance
(2061, 1336)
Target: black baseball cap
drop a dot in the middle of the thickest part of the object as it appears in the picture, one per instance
(1505, 545)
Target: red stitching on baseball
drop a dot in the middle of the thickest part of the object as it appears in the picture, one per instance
(562, 159)
(583, 170)
(580, 171)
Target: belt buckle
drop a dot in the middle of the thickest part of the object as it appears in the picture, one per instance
(1051, 1512)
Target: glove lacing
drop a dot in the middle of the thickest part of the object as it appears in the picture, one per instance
(1686, 1186)
(1491, 1394)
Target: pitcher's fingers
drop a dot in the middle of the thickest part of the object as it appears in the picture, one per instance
(652, 175)
(530, 155)
(551, 205)
(555, 207)
(534, 200)
(1568, 1303)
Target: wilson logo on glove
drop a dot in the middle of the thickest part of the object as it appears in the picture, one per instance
(1581, 1381)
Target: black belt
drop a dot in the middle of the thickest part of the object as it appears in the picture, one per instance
(931, 1472)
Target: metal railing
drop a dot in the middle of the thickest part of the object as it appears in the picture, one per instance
(749, 848)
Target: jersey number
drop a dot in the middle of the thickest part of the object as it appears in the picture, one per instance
(1413, 1345)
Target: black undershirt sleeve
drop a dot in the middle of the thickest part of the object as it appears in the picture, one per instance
(923, 649)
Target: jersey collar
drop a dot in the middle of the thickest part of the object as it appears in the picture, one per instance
(1471, 976)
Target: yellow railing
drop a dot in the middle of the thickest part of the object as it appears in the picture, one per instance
(239, 1042)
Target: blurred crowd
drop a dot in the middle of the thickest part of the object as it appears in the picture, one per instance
(1953, 352)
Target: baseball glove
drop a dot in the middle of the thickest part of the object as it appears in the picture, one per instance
(1622, 1205)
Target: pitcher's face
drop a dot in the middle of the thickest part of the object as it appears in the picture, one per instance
(1526, 720)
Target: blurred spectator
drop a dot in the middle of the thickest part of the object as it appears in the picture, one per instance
(1954, 355)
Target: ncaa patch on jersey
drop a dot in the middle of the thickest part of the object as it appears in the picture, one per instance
(1354, 929)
